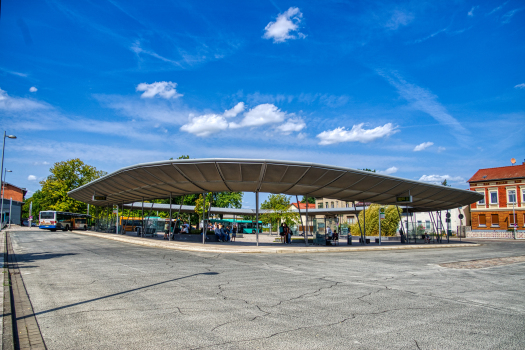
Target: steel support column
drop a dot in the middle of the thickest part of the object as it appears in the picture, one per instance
(257, 216)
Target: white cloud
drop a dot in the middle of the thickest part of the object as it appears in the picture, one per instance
(11, 104)
(262, 114)
(438, 179)
(423, 100)
(292, 125)
(441, 149)
(520, 86)
(165, 89)
(508, 16)
(31, 178)
(422, 146)
(497, 8)
(205, 125)
(239, 107)
(399, 18)
(285, 23)
(33, 89)
(357, 134)
(471, 12)
(389, 171)
(41, 163)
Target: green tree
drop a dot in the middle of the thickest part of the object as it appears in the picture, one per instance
(311, 200)
(66, 176)
(388, 225)
(37, 199)
(281, 213)
(220, 200)
(366, 169)
(445, 183)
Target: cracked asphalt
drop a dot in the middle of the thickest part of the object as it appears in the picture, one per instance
(91, 293)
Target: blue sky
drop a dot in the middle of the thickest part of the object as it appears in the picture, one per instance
(419, 90)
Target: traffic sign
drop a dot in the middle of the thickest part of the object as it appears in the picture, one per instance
(381, 213)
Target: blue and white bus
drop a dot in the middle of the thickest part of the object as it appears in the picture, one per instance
(59, 220)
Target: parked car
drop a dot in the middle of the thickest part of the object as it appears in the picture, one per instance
(26, 223)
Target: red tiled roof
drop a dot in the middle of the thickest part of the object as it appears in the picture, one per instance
(504, 172)
(303, 205)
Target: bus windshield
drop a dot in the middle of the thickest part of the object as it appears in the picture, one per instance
(47, 215)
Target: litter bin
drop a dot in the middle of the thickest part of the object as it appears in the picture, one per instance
(349, 239)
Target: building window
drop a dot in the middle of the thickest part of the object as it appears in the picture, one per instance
(482, 200)
(512, 220)
(495, 220)
(427, 224)
(482, 220)
(493, 197)
(327, 205)
(332, 204)
(320, 205)
(512, 196)
(347, 204)
(522, 196)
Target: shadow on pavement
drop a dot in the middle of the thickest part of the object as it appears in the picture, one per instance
(124, 292)
(34, 257)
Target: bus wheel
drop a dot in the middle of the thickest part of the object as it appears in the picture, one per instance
(85, 228)
(66, 228)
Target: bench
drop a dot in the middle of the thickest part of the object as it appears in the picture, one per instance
(333, 240)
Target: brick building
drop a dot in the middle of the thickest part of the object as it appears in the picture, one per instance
(16, 194)
(503, 188)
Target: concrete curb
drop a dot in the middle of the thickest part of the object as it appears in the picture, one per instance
(198, 247)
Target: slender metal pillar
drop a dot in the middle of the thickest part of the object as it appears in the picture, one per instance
(406, 206)
(142, 219)
(116, 222)
(169, 224)
(364, 223)
(2, 183)
(358, 223)
(301, 219)
(257, 217)
(379, 225)
(203, 216)
(306, 232)
(10, 217)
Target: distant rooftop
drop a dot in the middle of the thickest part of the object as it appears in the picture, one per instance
(501, 173)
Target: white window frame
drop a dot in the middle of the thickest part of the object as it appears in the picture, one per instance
(484, 198)
(509, 190)
(490, 196)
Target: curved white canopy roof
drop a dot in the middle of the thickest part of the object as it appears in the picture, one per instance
(188, 176)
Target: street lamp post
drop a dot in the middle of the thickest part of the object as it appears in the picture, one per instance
(4, 173)
(2, 177)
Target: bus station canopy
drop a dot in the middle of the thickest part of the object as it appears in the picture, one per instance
(234, 211)
(193, 176)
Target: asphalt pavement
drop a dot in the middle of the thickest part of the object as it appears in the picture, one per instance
(93, 293)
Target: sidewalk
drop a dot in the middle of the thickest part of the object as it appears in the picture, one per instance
(266, 245)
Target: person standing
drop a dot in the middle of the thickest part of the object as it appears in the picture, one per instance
(281, 232)
(218, 232)
(287, 234)
(234, 233)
